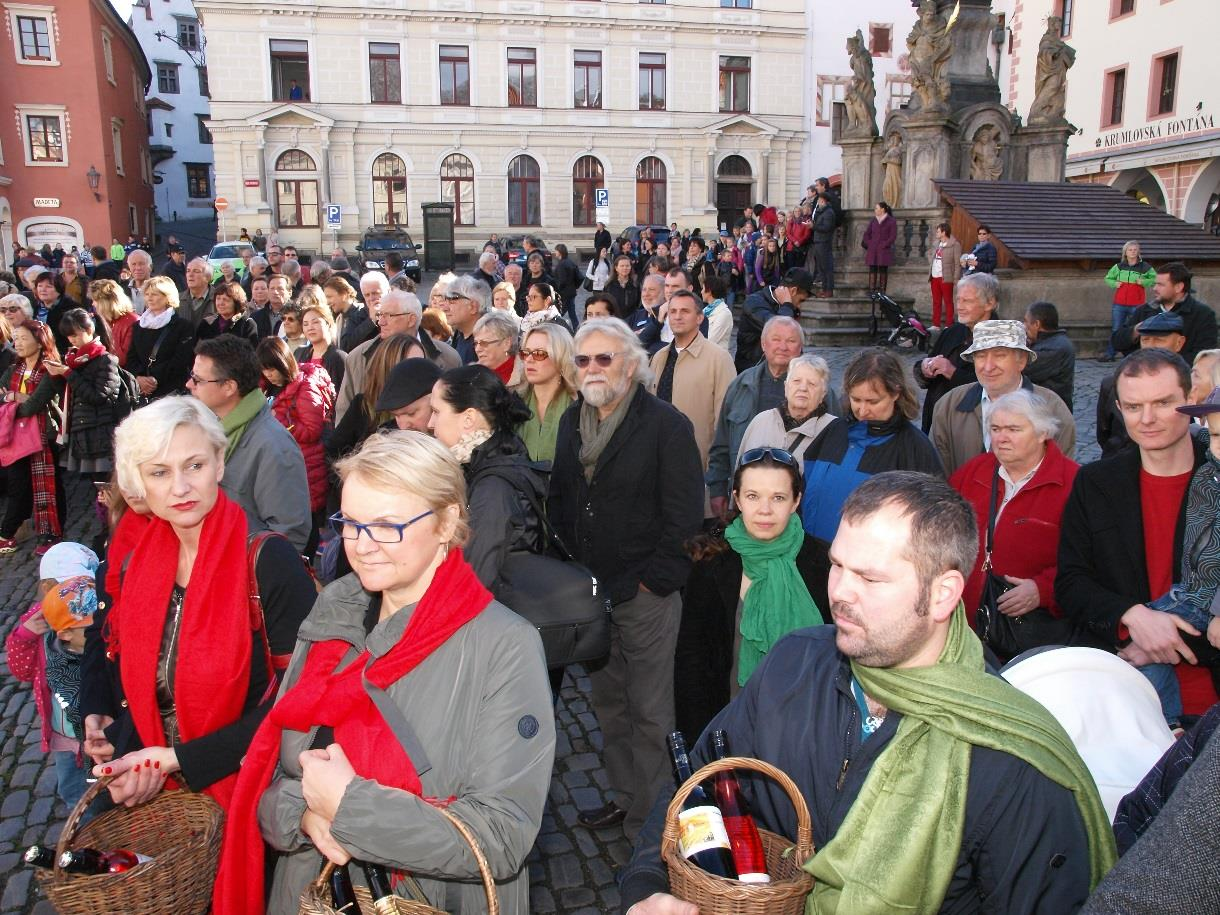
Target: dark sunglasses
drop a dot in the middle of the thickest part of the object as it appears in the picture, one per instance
(779, 455)
(604, 360)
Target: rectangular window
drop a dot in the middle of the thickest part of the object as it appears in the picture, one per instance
(108, 57)
(169, 129)
(734, 84)
(1165, 76)
(652, 82)
(188, 34)
(35, 34)
(899, 91)
(198, 181)
(297, 202)
(455, 75)
(522, 78)
(116, 136)
(204, 89)
(1115, 97)
(587, 79)
(1065, 12)
(880, 42)
(830, 89)
(289, 70)
(205, 135)
(1121, 8)
(46, 138)
(653, 2)
(385, 73)
(167, 79)
(737, 4)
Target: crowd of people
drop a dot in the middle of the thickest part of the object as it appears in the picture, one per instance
(833, 576)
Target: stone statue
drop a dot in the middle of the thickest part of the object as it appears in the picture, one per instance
(861, 95)
(891, 162)
(986, 163)
(1055, 58)
(929, 55)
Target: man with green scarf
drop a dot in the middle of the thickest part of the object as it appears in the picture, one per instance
(264, 467)
(933, 785)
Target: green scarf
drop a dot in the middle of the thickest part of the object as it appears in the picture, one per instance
(778, 601)
(898, 846)
(235, 421)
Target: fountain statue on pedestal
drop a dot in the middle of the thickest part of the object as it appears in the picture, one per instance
(1055, 58)
(930, 50)
(860, 98)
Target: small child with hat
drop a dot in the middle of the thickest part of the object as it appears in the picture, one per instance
(45, 649)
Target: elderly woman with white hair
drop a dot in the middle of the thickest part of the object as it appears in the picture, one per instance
(496, 338)
(801, 415)
(162, 343)
(1020, 487)
(412, 631)
(187, 679)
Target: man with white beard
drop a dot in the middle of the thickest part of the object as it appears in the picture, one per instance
(626, 493)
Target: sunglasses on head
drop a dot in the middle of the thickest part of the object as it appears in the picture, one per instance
(779, 455)
(604, 360)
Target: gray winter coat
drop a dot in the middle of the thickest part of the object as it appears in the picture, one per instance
(480, 708)
(265, 475)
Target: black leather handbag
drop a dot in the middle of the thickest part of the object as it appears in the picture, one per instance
(561, 597)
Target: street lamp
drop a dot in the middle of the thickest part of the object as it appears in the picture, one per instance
(93, 176)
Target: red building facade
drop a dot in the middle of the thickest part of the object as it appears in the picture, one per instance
(74, 166)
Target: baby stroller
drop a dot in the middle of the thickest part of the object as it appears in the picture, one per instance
(907, 330)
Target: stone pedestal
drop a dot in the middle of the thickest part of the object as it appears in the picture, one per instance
(861, 161)
(971, 81)
(927, 155)
(1045, 151)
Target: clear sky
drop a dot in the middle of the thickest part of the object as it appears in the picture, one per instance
(124, 8)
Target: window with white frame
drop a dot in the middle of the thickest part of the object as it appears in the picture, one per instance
(33, 32)
(188, 34)
(830, 89)
(44, 134)
(900, 89)
(108, 57)
(116, 136)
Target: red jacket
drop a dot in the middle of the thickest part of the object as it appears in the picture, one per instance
(27, 661)
(120, 337)
(305, 407)
(798, 233)
(1027, 534)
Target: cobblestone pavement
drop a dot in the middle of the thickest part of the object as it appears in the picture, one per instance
(572, 870)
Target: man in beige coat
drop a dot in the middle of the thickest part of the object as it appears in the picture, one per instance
(960, 428)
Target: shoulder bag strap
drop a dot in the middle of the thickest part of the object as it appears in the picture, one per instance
(538, 508)
(991, 512)
(152, 357)
(258, 621)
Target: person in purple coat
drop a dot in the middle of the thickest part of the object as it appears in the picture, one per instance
(878, 244)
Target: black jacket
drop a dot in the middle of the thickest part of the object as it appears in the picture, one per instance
(175, 355)
(288, 595)
(266, 321)
(1103, 571)
(1024, 848)
(825, 221)
(759, 308)
(626, 298)
(602, 239)
(1198, 320)
(952, 341)
(243, 328)
(1111, 429)
(703, 658)
(568, 278)
(629, 525)
(176, 272)
(95, 391)
(499, 480)
(1055, 367)
(357, 327)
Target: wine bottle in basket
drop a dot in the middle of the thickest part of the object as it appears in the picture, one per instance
(748, 855)
(92, 861)
(39, 856)
(379, 888)
(342, 894)
(702, 838)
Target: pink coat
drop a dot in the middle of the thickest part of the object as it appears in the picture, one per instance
(878, 242)
(27, 661)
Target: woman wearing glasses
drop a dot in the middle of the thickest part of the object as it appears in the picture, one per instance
(474, 415)
(187, 679)
(495, 343)
(548, 388)
(540, 307)
(411, 633)
(162, 344)
(760, 579)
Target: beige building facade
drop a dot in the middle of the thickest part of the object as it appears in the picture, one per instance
(515, 111)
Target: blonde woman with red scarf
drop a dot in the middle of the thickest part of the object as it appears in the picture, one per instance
(193, 678)
(411, 634)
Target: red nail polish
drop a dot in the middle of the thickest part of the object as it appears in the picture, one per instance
(147, 763)
(107, 770)
(157, 764)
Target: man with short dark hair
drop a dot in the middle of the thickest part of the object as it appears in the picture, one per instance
(393, 266)
(1054, 362)
(933, 784)
(264, 468)
(601, 239)
(267, 319)
(983, 257)
(1171, 292)
(1161, 331)
(784, 299)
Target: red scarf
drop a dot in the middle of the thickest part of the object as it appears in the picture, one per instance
(324, 695)
(79, 355)
(505, 369)
(123, 540)
(212, 675)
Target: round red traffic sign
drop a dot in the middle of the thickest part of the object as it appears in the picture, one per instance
(221, 203)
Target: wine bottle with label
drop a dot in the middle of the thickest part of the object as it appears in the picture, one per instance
(92, 861)
(39, 856)
(748, 855)
(702, 838)
(342, 894)
(379, 888)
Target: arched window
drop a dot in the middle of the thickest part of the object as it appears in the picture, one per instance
(457, 187)
(650, 192)
(389, 191)
(735, 167)
(296, 198)
(587, 177)
(524, 192)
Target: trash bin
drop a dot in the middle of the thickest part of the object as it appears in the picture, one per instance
(438, 236)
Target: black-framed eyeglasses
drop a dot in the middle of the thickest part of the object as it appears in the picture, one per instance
(604, 360)
(779, 455)
(378, 531)
(195, 379)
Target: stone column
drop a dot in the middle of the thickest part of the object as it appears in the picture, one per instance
(927, 156)
(711, 179)
(857, 190)
(264, 190)
(764, 177)
(1045, 150)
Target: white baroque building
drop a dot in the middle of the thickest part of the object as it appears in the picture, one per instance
(180, 144)
(515, 111)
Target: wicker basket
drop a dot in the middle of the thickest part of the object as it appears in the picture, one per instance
(784, 895)
(315, 899)
(179, 830)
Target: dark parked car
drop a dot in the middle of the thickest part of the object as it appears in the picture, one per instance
(380, 241)
(513, 247)
(660, 235)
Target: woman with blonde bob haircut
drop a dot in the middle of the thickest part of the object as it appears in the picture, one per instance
(162, 344)
(184, 683)
(329, 778)
(115, 309)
